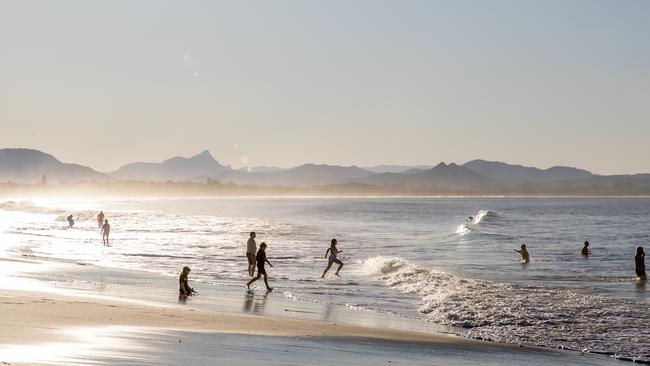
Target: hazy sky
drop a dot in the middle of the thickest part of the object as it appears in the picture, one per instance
(341, 82)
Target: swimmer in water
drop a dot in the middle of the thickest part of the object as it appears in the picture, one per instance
(585, 249)
(639, 263)
(332, 252)
(525, 257)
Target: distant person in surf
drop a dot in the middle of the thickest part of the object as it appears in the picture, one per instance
(525, 257)
(470, 219)
(585, 249)
(100, 219)
(261, 259)
(331, 255)
(106, 230)
(70, 221)
(639, 263)
(251, 249)
(184, 289)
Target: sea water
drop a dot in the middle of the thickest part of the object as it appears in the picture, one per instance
(444, 260)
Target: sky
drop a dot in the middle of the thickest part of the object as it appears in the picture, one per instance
(282, 83)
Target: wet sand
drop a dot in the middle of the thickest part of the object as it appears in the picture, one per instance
(67, 326)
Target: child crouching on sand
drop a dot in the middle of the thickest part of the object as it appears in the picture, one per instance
(184, 287)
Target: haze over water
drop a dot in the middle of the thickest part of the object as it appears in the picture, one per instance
(414, 257)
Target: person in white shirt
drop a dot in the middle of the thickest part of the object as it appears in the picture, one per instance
(251, 249)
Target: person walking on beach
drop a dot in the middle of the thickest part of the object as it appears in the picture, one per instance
(639, 264)
(261, 259)
(70, 222)
(100, 219)
(585, 249)
(525, 257)
(251, 249)
(331, 254)
(106, 230)
(184, 289)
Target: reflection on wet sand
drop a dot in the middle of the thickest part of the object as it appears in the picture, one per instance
(253, 303)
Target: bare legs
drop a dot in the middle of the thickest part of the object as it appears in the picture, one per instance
(266, 282)
(329, 265)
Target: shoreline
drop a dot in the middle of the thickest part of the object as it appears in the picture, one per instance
(43, 319)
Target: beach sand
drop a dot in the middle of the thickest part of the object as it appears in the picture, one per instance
(67, 326)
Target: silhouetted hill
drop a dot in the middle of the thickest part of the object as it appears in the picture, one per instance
(441, 176)
(28, 165)
(174, 169)
(300, 176)
(395, 168)
(517, 174)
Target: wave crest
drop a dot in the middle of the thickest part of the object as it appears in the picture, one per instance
(514, 313)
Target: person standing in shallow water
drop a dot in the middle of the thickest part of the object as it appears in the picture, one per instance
(332, 252)
(100, 219)
(70, 222)
(525, 257)
(251, 249)
(585, 249)
(106, 230)
(639, 264)
(261, 271)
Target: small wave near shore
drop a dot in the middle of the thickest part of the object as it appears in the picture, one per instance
(521, 314)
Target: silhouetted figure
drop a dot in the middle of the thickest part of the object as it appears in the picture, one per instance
(525, 257)
(106, 230)
(261, 259)
(184, 288)
(70, 221)
(470, 219)
(332, 252)
(639, 263)
(100, 219)
(585, 249)
(251, 249)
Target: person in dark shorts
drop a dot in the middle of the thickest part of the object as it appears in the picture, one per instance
(585, 249)
(261, 259)
(639, 263)
(251, 248)
(184, 287)
(331, 255)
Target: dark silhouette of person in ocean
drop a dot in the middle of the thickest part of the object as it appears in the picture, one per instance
(100, 219)
(525, 257)
(332, 252)
(106, 230)
(251, 248)
(70, 221)
(184, 289)
(585, 249)
(639, 264)
(261, 271)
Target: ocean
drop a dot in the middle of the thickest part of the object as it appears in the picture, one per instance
(420, 258)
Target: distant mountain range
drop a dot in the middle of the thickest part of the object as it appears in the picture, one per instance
(28, 166)
(174, 169)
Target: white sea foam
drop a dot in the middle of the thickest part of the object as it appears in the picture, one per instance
(513, 313)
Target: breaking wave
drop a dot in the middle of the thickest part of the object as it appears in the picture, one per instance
(522, 314)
